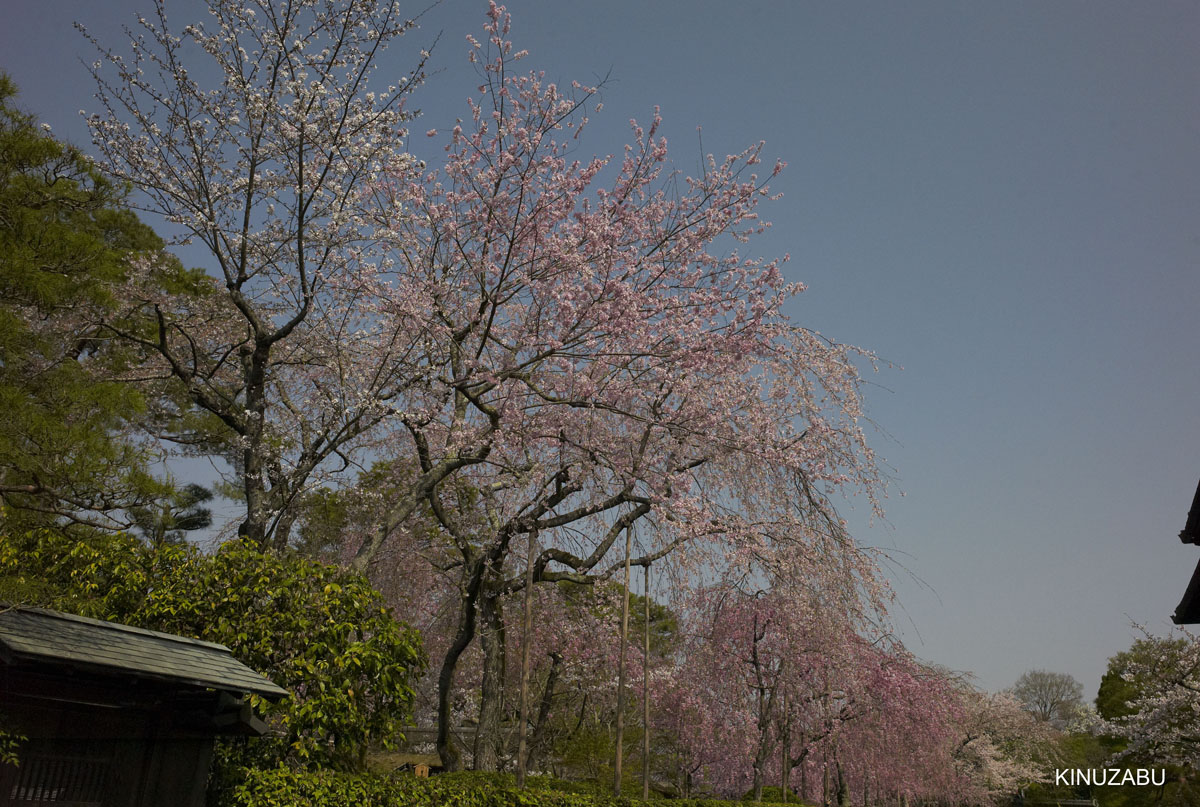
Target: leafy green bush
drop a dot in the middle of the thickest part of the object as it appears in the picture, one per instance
(287, 788)
(283, 787)
(316, 630)
(773, 794)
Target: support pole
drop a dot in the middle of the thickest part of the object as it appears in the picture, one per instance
(621, 669)
(526, 638)
(785, 736)
(646, 684)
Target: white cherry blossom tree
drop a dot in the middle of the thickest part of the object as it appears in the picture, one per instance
(1163, 721)
(264, 166)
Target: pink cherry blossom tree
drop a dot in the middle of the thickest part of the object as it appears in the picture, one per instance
(905, 719)
(591, 352)
(775, 687)
(263, 167)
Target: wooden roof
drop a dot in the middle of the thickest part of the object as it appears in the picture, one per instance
(1188, 611)
(41, 636)
(1190, 534)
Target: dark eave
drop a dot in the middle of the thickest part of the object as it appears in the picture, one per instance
(1188, 611)
(1191, 530)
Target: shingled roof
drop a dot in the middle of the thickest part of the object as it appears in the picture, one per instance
(41, 636)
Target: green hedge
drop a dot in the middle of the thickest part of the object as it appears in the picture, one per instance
(286, 788)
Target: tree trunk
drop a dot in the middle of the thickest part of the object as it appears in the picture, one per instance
(253, 468)
(843, 789)
(451, 760)
(766, 699)
(538, 738)
(283, 530)
(488, 740)
(253, 527)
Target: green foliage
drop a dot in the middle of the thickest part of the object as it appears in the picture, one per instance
(314, 629)
(287, 788)
(588, 750)
(597, 599)
(1070, 751)
(1115, 693)
(167, 520)
(9, 744)
(324, 514)
(10, 740)
(90, 573)
(1086, 752)
(318, 631)
(284, 787)
(773, 794)
(64, 243)
(664, 626)
(65, 231)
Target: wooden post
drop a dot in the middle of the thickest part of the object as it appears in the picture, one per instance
(784, 737)
(526, 631)
(646, 684)
(825, 779)
(621, 669)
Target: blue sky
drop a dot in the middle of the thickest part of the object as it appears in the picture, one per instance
(1001, 198)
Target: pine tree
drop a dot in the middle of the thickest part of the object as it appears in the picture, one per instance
(67, 447)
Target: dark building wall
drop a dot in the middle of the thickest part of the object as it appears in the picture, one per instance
(92, 744)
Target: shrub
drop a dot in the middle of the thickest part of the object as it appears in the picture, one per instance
(287, 788)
